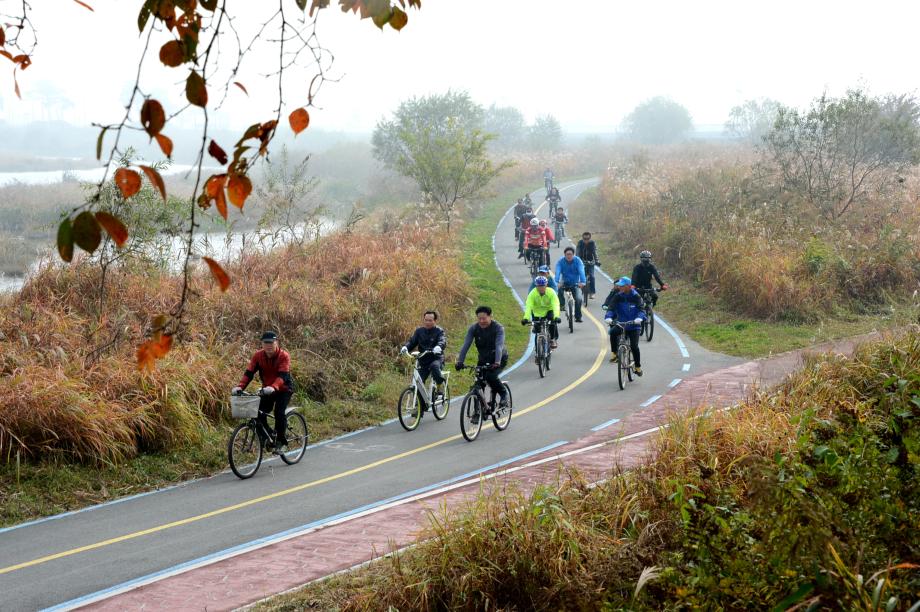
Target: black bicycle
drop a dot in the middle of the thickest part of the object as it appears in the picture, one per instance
(648, 326)
(475, 408)
(543, 349)
(250, 438)
(560, 232)
(534, 257)
(625, 364)
(590, 280)
(568, 294)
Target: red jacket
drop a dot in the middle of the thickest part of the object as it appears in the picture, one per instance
(273, 371)
(549, 234)
(535, 238)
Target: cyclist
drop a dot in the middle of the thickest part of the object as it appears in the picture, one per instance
(274, 367)
(519, 209)
(548, 232)
(550, 281)
(536, 242)
(543, 304)
(643, 274)
(560, 218)
(429, 337)
(489, 337)
(548, 180)
(586, 249)
(526, 218)
(570, 271)
(625, 305)
(527, 201)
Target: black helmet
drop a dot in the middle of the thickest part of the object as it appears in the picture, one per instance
(645, 255)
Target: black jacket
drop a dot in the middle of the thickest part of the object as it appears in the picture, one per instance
(586, 251)
(425, 339)
(642, 276)
(490, 343)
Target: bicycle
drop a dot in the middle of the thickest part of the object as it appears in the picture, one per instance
(534, 256)
(560, 232)
(250, 438)
(590, 280)
(475, 408)
(648, 327)
(417, 398)
(569, 306)
(543, 350)
(625, 365)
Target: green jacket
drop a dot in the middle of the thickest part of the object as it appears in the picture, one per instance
(540, 305)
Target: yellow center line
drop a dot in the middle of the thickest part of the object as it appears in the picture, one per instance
(258, 500)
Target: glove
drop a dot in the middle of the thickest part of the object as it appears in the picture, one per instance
(608, 321)
(664, 287)
(403, 351)
(458, 366)
(495, 366)
(557, 320)
(637, 321)
(597, 263)
(236, 390)
(268, 390)
(436, 350)
(524, 321)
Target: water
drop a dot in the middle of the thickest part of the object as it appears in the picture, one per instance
(92, 175)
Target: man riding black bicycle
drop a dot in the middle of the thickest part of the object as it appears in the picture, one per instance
(586, 249)
(519, 209)
(273, 365)
(625, 306)
(559, 220)
(642, 276)
(489, 337)
(570, 274)
(429, 337)
(548, 180)
(543, 305)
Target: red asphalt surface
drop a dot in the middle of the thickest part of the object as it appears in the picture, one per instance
(251, 576)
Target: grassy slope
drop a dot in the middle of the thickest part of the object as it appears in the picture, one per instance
(32, 491)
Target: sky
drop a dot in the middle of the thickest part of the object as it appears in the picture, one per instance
(587, 62)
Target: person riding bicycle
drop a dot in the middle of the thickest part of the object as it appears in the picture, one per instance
(625, 305)
(550, 281)
(429, 337)
(274, 367)
(543, 305)
(536, 242)
(586, 249)
(642, 276)
(570, 272)
(526, 219)
(548, 179)
(519, 209)
(527, 200)
(560, 217)
(548, 231)
(489, 336)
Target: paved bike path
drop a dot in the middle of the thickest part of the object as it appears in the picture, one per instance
(64, 559)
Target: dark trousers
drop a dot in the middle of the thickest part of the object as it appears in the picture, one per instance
(648, 294)
(538, 253)
(589, 275)
(277, 402)
(493, 378)
(633, 335)
(553, 328)
(578, 299)
(434, 369)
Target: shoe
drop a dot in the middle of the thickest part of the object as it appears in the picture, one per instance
(578, 320)
(553, 344)
(613, 358)
(280, 449)
(638, 371)
(475, 418)
(520, 255)
(503, 405)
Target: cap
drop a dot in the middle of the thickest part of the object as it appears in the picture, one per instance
(624, 281)
(544, 269)
(269, 336)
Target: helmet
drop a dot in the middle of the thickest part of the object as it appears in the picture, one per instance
(540, 281)
(543, 269)
(534, 222)
(542, 221)
(645, 255)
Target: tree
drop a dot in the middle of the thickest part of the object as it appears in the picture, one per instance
(291, 213)
(659, 120)
(546, 133)
(508, 125)
(752, 120)
(841, 152)
(438, 142)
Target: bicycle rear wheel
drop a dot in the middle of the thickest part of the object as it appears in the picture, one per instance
(540, 350)
(471, 416)
(501, 417)
(297, 437)
(570, 312)
(650, 325)
(441, 407)
(244, 451)
(409, 409)
(622, 366)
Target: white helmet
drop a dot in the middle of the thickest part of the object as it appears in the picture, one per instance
(534, 223)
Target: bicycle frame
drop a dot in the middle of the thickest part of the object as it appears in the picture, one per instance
(426, 392)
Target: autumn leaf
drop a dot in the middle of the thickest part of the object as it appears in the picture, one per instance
(113, 227)
(299, 120)
(16, 85)
(240, 85)
(218, 273)
(166, 144)
(65, 240)
(3, 38)
(195, 90)
(214, 190)
(398, 19)
(86, 232)
(151, 350)
(217, 153)
(210, 5)
(128, 181)
(238, 189)
(152, 117)
(99, 143)
(154, 177)
(172, 53)
(83, 4)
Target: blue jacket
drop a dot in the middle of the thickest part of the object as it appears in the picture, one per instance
(625, 307)
(550, 282)
(570, 273)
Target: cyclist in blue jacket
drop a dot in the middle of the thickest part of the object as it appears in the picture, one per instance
(570, 272)
(550, 281)
(625, 305)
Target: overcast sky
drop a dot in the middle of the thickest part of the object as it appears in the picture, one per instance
(588, 62)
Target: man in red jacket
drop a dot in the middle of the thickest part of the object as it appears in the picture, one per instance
(274, 367)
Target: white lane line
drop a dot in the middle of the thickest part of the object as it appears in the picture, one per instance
(605, 424)
(674, 382)
(686, 367)
(650, 401)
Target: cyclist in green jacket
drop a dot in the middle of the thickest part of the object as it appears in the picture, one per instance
(543, 303)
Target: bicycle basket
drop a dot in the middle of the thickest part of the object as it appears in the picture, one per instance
(244, 406)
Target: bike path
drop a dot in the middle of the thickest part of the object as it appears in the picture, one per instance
(59, 561)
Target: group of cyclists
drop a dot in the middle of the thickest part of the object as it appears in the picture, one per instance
(574, 272)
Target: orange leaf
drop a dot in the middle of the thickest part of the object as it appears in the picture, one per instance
(217, 153)
(172, 53)
(239, 189)
(16, 83)
(3, 41)
(114, 227)
(154, 177)
(195, 89)
(151, 350)
(152, 117)
(84, 5)
(128, 181)
(214, 190)
(166, 145)
(398, 19)
(218, 273)
(240, 85)
(299, 120)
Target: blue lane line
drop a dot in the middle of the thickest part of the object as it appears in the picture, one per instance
(73, 603)
(530, 342)
(605, 424)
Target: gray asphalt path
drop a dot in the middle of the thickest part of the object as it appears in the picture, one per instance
(64, 560)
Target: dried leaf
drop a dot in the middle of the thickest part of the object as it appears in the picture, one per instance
(398, 19)
(86, 232)
(210, 5)
(152, 117)
(65, 240)
(217, 153)
(214, 190)
(128, 181)
(113, 227)
(299, 120)
(172, 53)
(218, 273)
(99, 143)
(16, 83)
(240, 85)
(195, 89)
(2, 37)
(166, 144)
(238, 189)
(154, 177)
(83, 4)
(151, 350)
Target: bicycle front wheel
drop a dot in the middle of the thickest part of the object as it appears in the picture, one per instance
(471, 415)
(440, 407)
(297, 436)
(650, 326)
(409, 409)
(501, 417)
(570, 312)
(622, 365)
(541, 352)
(244, 451)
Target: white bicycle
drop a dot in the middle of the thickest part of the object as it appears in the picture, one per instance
(417, 397)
